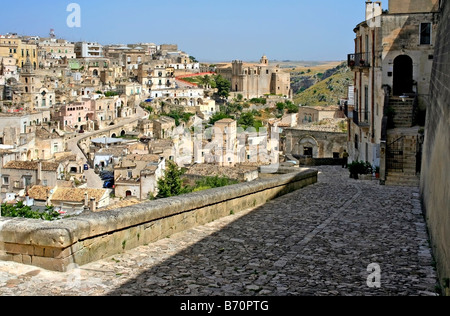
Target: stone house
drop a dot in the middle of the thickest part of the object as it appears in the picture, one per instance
(71, 201)
(163, 127)
(311, 114)
(392, 63)
(137, 176)
(18, 176)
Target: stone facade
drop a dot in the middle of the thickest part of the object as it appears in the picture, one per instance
(313, 143)
(392, 65)
(256, 80)
(435, 180)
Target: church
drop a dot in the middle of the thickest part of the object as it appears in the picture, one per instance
(254, 80)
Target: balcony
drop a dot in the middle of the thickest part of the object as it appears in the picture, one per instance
(361, 119)
(359, 60)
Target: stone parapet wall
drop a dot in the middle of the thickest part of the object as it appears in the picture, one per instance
(58, 245)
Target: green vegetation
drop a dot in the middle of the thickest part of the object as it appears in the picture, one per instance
(323, 89)
(23, 211)
(180, 116)
(219, 116)
(286, 106)
(223, 86)
(248, 120)
(212, 182)
(172, 184)
(262, 101)
(360, 167)
(111, 93)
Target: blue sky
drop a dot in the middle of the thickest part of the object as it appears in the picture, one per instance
(210, 30)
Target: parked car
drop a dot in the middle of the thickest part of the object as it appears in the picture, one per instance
(108, 184)
(107, 175)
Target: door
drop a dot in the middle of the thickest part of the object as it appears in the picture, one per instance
(403, 75)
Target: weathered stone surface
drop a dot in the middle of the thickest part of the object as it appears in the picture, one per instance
(315, 241)
(94, 236)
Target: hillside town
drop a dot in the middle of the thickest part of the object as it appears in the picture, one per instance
(86, 116)
(124, 145)
(105, 120)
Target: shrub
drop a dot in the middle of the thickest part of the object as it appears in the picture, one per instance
(23, 211)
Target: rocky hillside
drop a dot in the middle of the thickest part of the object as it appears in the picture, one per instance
(321, 88)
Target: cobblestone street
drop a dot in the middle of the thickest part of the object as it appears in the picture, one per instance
(316, 241)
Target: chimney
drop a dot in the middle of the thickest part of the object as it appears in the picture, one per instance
(39, 172)
(86, 200)
(93, 205)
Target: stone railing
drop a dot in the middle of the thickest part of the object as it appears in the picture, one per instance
(79, 240)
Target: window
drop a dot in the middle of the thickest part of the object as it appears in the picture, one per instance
(5, 180)
(425, 34)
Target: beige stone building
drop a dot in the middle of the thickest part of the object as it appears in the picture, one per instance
(256, 80)
(137, 176)
(318, 113)
(15, 47)
(392, 64)
(19, 176)
(163, 127)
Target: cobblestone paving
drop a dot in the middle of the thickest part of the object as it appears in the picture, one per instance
(316, 241)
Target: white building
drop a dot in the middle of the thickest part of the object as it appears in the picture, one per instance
(87, 50)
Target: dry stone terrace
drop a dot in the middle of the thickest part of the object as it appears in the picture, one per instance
(315, 241)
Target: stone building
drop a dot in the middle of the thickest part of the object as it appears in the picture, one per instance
(88, 49)
(18, 176)
(318, 113)
(137, 176)
(163, 127)
(314, 142)
(435, 180)
(52, 50)
(19, 49)
(392, 65)
(256, 80)
(34, 93)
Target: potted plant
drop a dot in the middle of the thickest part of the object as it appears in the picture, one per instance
(377, 172)
(355, 169)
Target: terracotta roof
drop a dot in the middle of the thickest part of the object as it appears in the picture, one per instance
(145, 157)
(77, 195)
(68, 156)
(31, 165)
(39, 192)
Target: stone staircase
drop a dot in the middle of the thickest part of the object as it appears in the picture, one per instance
(409, 145)
(404, 116)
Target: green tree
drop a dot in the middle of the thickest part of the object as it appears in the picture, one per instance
(171, 184)
(223, 86)
(246, 120)
(217, 117)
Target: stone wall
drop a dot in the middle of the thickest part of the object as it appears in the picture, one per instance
(435, 181)
(80, 240)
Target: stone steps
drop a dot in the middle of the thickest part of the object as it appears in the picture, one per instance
(403, 112)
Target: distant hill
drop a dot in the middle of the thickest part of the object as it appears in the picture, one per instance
(321, 87)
